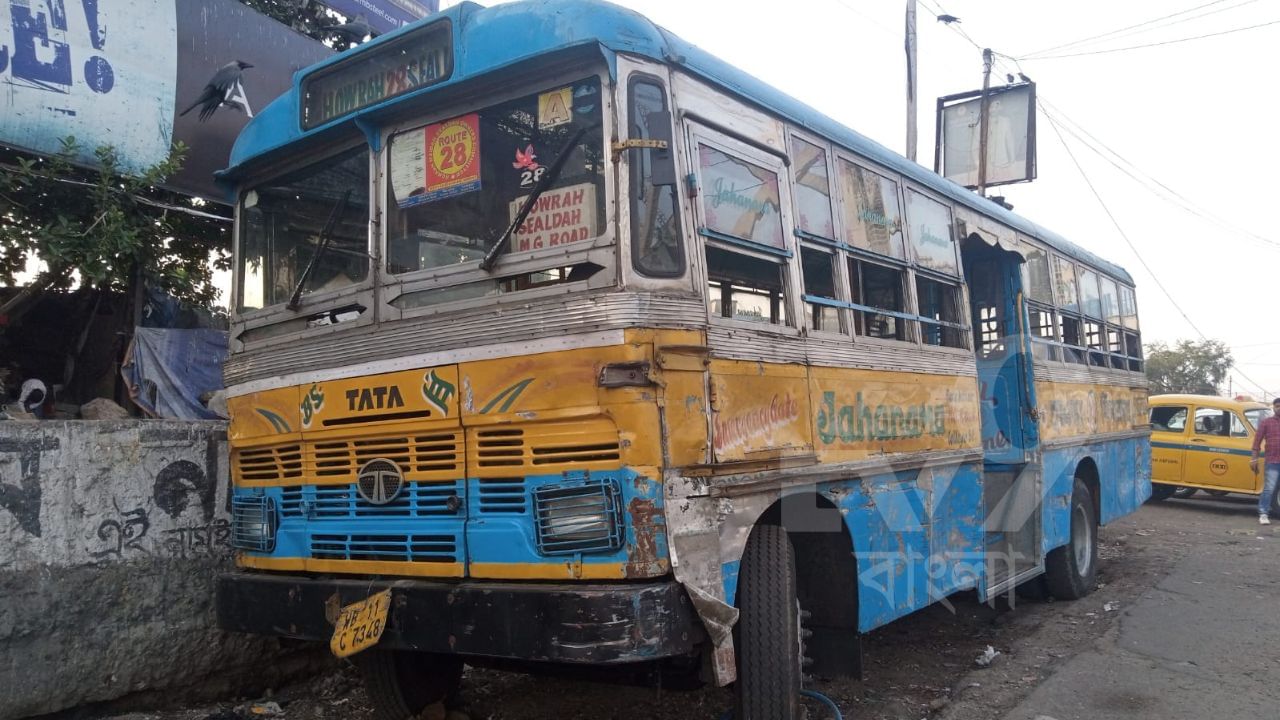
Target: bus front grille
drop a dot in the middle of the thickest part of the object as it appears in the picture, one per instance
(342, 502)
(385, 547)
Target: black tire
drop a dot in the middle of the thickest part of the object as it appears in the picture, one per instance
(401, 683)
(1071, 571)
(1161, 492)
(1218, 493)
(1182, 493)
(767, 635)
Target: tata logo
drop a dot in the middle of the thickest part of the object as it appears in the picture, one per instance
(380, 481)
(374, 398)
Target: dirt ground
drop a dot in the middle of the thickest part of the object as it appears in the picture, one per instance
(922, 666)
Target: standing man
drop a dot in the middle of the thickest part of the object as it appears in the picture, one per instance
(1269, 433)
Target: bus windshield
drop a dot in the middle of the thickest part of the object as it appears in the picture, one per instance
(282, 221)
(457, 184)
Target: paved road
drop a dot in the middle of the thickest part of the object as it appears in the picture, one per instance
(1203, 642)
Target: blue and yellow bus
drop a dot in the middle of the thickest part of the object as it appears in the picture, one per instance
(559, 343)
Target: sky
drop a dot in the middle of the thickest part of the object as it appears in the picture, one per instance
(1195, 121)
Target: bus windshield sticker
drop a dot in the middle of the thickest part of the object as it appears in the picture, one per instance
(445, 165)
(527, 162)
(560, 217)
(408, 170)
(554, 108)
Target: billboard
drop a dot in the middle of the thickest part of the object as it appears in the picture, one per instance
(384, 15)
(118, 73)
(1011, 141)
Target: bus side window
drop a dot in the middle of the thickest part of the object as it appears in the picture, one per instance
(819, 281)
(878, 288)
(741, 287)
(1071, 335)
(656, 246)
(939, 301)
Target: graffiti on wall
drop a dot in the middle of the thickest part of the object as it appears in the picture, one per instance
(179, 487)
(22, 500)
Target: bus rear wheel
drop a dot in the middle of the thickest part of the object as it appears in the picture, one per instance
(402, 683)
(1071, 571)
(767, 635)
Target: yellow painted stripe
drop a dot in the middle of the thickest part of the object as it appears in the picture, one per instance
(567, 570)
(355, 567)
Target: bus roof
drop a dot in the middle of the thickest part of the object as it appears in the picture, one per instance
(490, 39)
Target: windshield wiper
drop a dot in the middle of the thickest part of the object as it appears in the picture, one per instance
(322, 244)
(553, 172)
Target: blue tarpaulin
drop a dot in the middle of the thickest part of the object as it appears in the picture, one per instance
(167, 370)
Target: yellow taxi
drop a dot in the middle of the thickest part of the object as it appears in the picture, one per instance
(1202, 442)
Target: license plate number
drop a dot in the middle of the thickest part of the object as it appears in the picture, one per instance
(360, 625)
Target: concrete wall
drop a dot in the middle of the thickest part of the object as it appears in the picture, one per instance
(111, 534)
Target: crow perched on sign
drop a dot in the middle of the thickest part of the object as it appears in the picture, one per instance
(218, 90)
(355, 31)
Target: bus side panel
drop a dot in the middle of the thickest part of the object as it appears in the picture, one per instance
(1124, 480)
(958, 542)
(916, 539)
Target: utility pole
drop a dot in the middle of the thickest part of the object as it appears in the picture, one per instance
(983, 116)
(911, 79)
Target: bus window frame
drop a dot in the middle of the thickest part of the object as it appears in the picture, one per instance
(601, 250)
(311, 305)
(786, 257)
(914, 334)
(1127, 359)
(833, 246)
(634, 172)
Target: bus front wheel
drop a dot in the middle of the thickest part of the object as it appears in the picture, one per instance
(1071, 571)
(768, 633)
(402, 683)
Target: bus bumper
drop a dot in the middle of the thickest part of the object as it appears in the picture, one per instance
(563, 623)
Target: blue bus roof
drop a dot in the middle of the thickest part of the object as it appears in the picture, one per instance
(491, 39)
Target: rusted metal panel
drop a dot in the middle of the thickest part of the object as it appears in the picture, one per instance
(503, 326)
(759, 411)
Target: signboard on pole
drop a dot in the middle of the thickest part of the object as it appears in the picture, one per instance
(384, 15)
(1011, 140)
(120, 73)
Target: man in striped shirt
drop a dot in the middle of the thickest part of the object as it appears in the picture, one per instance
(1268, 434)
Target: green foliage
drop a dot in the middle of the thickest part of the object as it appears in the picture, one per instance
(306, 16)
(101, 228)
(1193, 367)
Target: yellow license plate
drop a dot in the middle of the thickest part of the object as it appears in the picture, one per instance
(360, 625)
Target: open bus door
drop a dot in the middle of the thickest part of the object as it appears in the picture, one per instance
(1010, 438)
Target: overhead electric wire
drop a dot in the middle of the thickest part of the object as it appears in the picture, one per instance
(1119, 229)
(1155, 278)
(1171, 23)
(1109, 33)
(1154, 44)
(1169, 195)
(935, 9)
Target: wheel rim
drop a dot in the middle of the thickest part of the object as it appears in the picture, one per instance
(1082, 540)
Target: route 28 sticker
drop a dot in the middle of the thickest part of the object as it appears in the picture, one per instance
(453, 157)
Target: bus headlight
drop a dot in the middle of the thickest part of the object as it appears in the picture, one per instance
(578, 518)
(253, 523)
